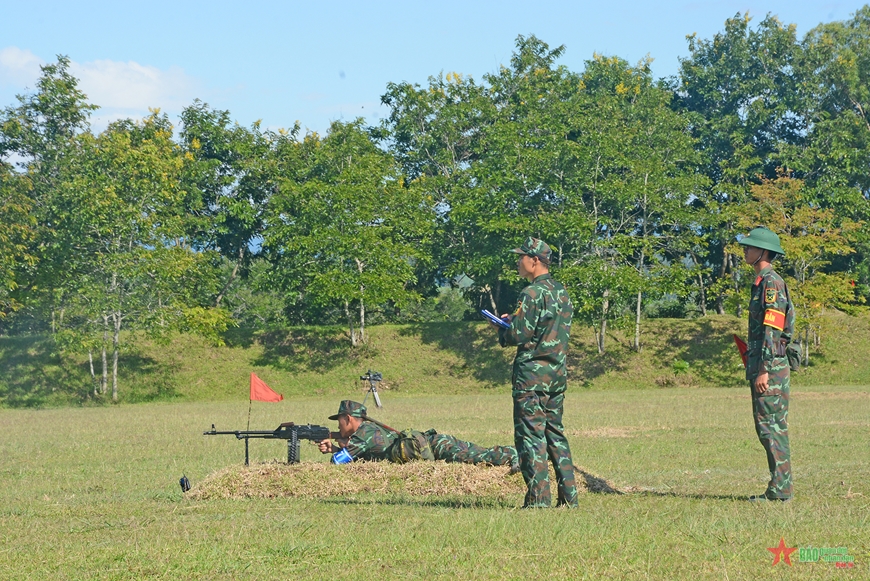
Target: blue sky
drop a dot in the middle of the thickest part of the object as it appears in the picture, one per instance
(315, 62)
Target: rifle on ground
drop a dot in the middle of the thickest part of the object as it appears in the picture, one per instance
(286, 431)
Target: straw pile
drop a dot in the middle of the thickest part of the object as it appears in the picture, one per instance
(320, 480)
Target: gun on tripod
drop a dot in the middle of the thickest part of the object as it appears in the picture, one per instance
(286, 431)
(373, 377)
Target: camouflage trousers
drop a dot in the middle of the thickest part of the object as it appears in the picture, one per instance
(771, 425)
(450, 449)
(538, 434)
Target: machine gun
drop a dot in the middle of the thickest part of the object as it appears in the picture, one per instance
(373, 377)
(286, 431)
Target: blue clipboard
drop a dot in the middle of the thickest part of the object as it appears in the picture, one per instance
(500, 322)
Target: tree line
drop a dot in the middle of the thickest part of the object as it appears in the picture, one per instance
(640, 185)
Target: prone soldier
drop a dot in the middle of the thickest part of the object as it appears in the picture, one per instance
(363, 438)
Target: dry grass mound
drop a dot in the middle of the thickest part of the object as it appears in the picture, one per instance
(418, 479)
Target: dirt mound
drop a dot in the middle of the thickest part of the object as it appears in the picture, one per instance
(321, 480)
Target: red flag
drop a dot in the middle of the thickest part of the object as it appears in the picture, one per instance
(262, 392)
(742, 347)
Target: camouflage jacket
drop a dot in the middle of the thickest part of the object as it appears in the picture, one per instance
(771, 325)
(370, 442)
(540, 328)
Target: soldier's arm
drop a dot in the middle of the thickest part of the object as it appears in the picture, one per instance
(523, 323)
(357, 446)
(775, 304)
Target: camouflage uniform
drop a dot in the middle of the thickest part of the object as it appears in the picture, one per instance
(372, 441)
(450, 449)
(771, 325)
(540, 328)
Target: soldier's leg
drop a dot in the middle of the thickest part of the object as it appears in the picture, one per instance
(451, 449)
(530, 424)
(771, 425)
(559, 451)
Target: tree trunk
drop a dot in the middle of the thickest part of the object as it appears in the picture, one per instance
(703, 296)
(362, 321)
(720, 300)
(603, 328)
(362, 304)
(93, 373)
(637, 323)
(221, 294)
(807, 346)
(739, 310)
(116, 336)
(350, 324)
(104, 380)
(600, 336)
(492, 301)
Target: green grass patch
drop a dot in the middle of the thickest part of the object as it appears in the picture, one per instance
(92, 493)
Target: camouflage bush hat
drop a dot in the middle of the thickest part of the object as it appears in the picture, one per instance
(763, 238)
(535, 247)
(351, 408)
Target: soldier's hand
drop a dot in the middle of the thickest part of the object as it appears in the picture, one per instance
(761, 382)
(325, 447)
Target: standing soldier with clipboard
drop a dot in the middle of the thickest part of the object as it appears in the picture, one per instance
(540, 327)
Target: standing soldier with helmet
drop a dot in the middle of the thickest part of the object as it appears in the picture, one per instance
(771, 327)
(540, 328)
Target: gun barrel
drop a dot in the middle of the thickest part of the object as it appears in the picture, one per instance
(289, 431)
(241, 434)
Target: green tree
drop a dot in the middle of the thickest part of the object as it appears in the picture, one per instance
(41, 131)
(834, 75)
(434, 134)
(345, 231)
(229, 174)
(646, 222)
(17, 230)
(118, 215)
(741, 87)
(811, 237)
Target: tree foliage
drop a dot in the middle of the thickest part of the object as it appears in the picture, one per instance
(640, 186)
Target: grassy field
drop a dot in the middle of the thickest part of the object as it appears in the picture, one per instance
(92, 493)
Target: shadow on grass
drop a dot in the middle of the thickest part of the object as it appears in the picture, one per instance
(476, 347)
(437, 502)
(34, 374)
(657, 493)
(144, 379)
(596, 484)
(312, 348)
(705, 344)
(585, 363)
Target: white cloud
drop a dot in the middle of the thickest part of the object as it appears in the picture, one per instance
(132, 86)
(18, 67)
(121, 89)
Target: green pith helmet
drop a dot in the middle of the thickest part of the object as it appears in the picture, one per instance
(763, 238)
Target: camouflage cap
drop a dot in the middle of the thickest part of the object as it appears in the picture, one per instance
(350, 408)
(535, 247)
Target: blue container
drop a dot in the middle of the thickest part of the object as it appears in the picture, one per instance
(342, 457)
